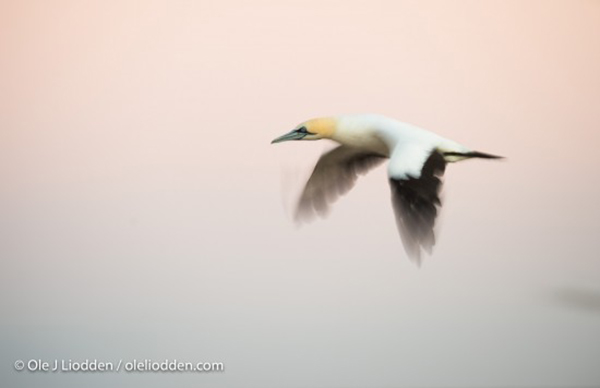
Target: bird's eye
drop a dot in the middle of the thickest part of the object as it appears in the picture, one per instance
(302, 130)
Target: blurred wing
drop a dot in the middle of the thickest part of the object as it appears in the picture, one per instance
(416, 202)
(334, 175)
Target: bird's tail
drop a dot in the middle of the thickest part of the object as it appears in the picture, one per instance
(471, 154)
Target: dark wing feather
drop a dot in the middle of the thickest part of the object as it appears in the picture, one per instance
(416, 202)
(334, 175)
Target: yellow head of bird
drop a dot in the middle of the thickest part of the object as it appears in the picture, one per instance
(314, 129)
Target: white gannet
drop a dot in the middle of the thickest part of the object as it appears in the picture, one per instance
(417, 161)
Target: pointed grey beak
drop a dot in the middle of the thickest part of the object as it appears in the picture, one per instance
(294, 135)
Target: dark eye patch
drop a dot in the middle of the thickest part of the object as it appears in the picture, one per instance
(302, 130)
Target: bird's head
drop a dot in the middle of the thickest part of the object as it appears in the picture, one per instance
(314, 129)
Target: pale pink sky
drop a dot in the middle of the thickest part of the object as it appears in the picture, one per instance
(143, 211)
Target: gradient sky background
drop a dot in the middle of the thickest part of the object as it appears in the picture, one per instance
(144, 214)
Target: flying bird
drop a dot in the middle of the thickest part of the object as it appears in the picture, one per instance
(417, 157)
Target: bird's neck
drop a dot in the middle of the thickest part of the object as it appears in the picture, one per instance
(370, 132)
(360, 138)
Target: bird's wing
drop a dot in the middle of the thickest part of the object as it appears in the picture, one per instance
(415, 196)
(334, 175)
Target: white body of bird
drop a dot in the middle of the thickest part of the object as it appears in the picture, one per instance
(407, 145)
